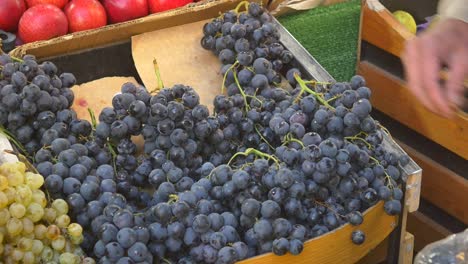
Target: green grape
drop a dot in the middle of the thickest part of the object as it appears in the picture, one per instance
(56, 258)
(23, 194)
(63, 221)
(88, 261)
(50, 215)
(25, 244)
(69, 247)
(17, 210)
(3, 182)
(59, 243)
(1, 237)
(75, 230)
(3, 200)
(69, 258)
(33, 180)
(60, 206)
(28, 226)
(7, 249)
(10, 192)
(15, 178)
(37, 247)
(47, 254)
(14, 227)
(29, 258)
(53, 232)
(40, 231)
(17, 255)
(76, 240)
(4, 216)
(35, 212)
(39, 197)
(78, 251)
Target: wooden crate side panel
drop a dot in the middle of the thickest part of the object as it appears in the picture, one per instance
(390, 96)
(336, 247)
(382, 30)
(441, 186)
(425, 230)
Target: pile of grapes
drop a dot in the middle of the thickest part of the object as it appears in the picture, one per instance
(277, 163)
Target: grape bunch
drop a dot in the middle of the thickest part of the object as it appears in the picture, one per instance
(31, 97)
(248, 47)
(32, 230)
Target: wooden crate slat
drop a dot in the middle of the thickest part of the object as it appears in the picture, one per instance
(441, 186)
(382, 30)
(425, 230)
(390, 96)
(336, 247)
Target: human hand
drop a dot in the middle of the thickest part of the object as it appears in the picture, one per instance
(424, 56)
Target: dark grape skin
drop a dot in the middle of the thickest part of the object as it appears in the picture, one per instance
(358, 237)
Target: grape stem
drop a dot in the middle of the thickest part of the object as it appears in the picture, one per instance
(304, 87)
(256, 153)
(387, 177)
(329, 207)
(16, 59)
(289, 138)
(244, 96)
(385, 129)
(361, 139)
(225, 76)
(114, 156)
(261, 136)
(160, 84)
(173, 198)
(93, 118)
(166, 261)
(244, 4)
(334, 97)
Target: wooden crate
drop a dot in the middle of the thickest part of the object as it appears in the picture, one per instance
(382, 30)
(333, 247)
(391, 96)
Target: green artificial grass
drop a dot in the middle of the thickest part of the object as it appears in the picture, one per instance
(330, 34)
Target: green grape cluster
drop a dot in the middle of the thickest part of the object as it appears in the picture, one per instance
(31, 229)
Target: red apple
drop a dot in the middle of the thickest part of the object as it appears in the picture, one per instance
(124, 10)
(85, 14)
(58, 3)
(42, 22)
(10, 14)
(163, 5)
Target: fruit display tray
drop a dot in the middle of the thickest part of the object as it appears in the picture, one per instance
(92, 63)
(333, 247)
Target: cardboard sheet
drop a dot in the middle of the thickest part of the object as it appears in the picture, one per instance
(181, 60)
(97, 94)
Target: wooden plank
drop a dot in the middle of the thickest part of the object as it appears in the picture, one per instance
(403, 245)
(450, 195)
(406, 252)
(425, 230)
(337, 247)
(381, 29)
(376, 255)
(379, 254)
(390, 96)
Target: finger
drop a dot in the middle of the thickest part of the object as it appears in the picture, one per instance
(430, 71)
(411, 61)
(458, 71)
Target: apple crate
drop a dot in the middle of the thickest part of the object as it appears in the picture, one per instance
(108, 52)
